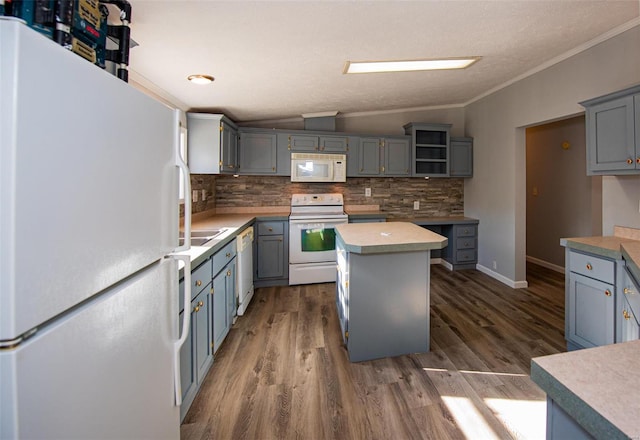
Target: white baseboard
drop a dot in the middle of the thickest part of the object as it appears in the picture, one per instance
(504, 280)
(546, 264)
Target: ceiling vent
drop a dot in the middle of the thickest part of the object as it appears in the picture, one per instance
(322, 121)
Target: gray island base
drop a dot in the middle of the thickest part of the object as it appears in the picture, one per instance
(382, 288)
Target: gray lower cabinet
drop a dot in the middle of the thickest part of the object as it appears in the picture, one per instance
(212, 144)
(591, 312)
(590, 299)
(196, 356)
(387, 156)
(258, 153)
(628, 315)
(461, 157)
(561, 426)
(223, 292)
(381, 219)
(271, 256)
(211, 311)
(372, 292)
(613, 133)
(462, 249)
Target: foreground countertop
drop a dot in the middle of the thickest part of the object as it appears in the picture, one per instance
(376, 238)
(596, 387)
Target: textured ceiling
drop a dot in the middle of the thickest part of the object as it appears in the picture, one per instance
(276, 60)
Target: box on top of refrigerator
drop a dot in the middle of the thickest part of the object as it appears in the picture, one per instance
(38, 14)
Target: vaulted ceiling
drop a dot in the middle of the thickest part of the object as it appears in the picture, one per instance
(276, 60)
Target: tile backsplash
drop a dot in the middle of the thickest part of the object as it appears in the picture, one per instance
(394, 195)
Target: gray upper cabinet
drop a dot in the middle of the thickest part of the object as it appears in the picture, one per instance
(257, 152)
(613, 133)
(317, 143)
(388, 156)
(430, 156)
(212, 143)
(461, 157)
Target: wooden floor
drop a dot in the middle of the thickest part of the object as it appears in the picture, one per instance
(283, 371)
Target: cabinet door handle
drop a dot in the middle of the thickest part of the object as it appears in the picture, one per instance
(589, 266)
(200, 303)
(270, 229)
(198, 283)
(228, 254)
(196, 309)
(638, 160)
(229, 273)
(629, 161)
(607, 292)
(627, 291)
(626, 314)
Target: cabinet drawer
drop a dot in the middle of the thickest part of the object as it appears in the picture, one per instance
(270, 228)
(465, 230)
(200, 279)
(592, 267)
(466, 256)
(466, 243)
(223, 256)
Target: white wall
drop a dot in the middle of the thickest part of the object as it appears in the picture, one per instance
(496, 193)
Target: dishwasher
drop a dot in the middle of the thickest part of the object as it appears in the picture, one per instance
(244, 243)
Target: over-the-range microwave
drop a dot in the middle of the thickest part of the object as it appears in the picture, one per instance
(315, 167)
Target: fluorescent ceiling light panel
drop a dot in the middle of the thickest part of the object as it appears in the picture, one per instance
(408, 66)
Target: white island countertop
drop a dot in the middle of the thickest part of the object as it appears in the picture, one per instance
(378, 238)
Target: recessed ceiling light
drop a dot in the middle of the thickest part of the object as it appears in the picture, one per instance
(408, 65)
(200, 79)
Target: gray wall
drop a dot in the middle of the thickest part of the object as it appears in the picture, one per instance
(496, 193)
(562, 201)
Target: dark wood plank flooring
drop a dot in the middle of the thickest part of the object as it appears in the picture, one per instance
(283, 372)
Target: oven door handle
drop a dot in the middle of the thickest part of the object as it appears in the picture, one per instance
(336, 221)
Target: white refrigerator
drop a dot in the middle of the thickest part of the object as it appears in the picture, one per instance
(88, 215)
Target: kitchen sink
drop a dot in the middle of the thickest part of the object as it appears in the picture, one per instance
(200, 237)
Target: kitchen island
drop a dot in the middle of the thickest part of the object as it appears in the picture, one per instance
(382, 287)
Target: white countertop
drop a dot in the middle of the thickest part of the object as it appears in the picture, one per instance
(375, 238)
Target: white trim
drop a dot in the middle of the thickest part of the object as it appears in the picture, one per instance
(320, 114)
(446, 264)
(399, 110)
(576, 50)
(142, 83)
(546, 264)
(502, 278)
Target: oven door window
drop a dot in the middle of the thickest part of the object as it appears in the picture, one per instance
(316, 238)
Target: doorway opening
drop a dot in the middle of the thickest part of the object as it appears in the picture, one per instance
(561, 200)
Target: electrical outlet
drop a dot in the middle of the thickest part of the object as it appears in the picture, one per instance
(495, 265)
(367, 192)
(416, 205)
(204, 194)
(194, 196)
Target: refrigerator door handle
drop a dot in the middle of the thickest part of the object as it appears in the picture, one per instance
(186, 324)
(187, 187)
